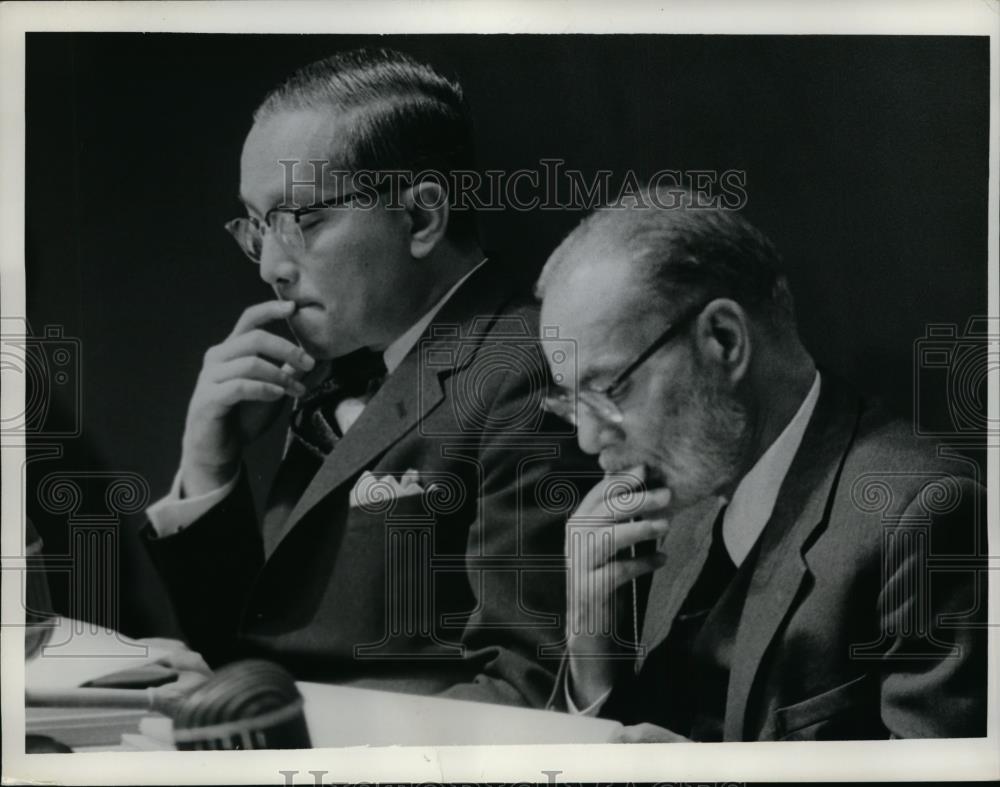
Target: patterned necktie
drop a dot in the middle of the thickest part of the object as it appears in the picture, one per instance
(313, 423)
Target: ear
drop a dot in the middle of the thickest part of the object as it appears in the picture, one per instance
(723, 337)
(426, 205)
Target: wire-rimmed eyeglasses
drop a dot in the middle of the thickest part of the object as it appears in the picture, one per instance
(602, 401)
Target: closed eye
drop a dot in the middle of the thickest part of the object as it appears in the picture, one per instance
(616, 392)
(309, 219)
(558, 392)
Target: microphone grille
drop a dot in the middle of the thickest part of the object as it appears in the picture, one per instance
(250, 704)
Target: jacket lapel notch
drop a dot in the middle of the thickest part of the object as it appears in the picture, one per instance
(386, 419)
(409, 394)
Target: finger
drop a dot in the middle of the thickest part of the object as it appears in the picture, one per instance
(187, 681)
(611, 485)
(232, 392)
(613, 497)
(309, 378)
(167, 697)
(186, 661)
(593, 590)
(624, 570)
(262, 313)
(640, 504)
(294, 373)
(589, 546)
(619, 492)
(627, 534)
(263, 344)
(620, 481)
(254, 368)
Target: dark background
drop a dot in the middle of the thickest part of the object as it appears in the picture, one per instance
(866, 162)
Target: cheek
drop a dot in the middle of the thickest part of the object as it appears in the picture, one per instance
(666, 418)
(334, 285)
(652, 437)
(337, 268)
(672, 435)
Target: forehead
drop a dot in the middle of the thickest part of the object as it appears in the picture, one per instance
(293, 136)
(598, 306)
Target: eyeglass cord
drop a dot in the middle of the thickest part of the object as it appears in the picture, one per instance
(635, 606)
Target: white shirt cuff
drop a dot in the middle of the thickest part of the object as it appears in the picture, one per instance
(173, 513)
(591, 710)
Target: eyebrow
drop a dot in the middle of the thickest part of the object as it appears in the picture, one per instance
(272, 203)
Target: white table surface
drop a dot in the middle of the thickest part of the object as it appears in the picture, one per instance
(337, 716)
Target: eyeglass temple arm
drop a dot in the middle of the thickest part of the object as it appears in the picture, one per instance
(622, 376)
(672, 330)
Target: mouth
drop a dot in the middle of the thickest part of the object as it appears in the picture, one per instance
(655, 477)
(652, 476)
(613, 466)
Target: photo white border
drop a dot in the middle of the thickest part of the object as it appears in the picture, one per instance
(849, 761)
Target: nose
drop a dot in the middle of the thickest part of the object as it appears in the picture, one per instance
(593, 433)
(277, 267)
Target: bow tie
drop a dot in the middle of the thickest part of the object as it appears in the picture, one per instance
(355, 376)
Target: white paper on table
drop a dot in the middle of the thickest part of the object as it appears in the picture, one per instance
(78, 652)
(345, 716)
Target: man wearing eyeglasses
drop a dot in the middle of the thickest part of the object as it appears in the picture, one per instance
(401, 547)
(769, 556)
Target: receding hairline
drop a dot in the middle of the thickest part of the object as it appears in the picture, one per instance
(335, 150)
(345, 117)
(595, 236)
(681, 259)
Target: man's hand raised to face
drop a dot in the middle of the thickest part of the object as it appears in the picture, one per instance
(614, 516)
(238, 395)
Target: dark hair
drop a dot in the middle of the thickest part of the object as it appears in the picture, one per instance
(405, 116)
(684, 253)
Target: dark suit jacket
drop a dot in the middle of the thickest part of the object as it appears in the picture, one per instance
(454, 589)
(865, 615)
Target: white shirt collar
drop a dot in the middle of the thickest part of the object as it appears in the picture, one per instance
(394, 354)
(755, 496)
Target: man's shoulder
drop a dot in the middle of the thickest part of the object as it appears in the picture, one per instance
(514, 314)
(887, 443)
(891, 476)
(508, 340)
(888, 480)
(492, 313)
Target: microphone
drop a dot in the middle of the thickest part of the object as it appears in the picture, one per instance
(251, 704)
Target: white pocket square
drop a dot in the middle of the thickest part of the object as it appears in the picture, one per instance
(377, 493)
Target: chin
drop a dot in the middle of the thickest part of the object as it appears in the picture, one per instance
(326, 348)
(317, 350)
(682, 499)
(691, 491)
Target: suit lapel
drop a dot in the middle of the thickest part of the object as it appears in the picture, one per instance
(391, 413)
(686, 547)
(409, 394)
(802, 506)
